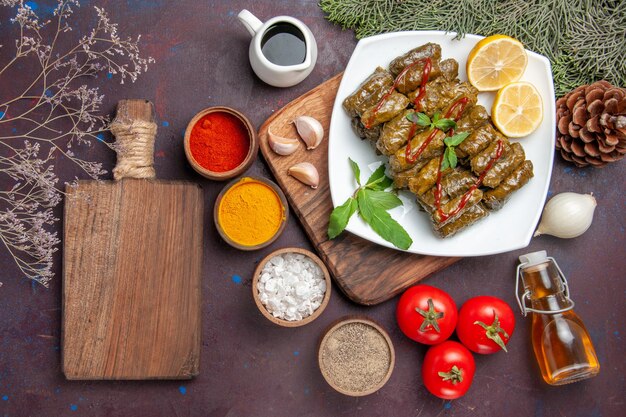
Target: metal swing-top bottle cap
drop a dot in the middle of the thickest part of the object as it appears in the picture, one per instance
(530, 260)
(533, 258)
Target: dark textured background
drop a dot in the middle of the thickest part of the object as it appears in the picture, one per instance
(250, 367)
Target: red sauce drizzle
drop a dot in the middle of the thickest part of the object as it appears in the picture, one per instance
(411, 158)
(425, 73)
(466, 197)
(459, 107)
(428, 66)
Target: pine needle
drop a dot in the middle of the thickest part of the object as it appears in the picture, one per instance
(585, 40)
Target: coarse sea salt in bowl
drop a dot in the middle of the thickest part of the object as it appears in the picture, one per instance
(291, 287)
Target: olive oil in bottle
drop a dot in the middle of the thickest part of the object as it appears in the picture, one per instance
(560, 340)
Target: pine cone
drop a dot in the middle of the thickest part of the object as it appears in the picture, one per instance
(591, 124)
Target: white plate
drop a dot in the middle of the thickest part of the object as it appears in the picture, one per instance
(508, 229)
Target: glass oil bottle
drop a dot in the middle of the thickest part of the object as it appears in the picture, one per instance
(560, 340)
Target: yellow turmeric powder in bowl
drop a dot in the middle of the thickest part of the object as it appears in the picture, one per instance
(250, 213)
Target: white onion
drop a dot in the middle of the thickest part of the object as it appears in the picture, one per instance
(567, 215)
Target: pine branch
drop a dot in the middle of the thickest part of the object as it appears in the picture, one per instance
(585, 40)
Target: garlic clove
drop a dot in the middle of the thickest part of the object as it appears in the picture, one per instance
(280, 145)
(567, 215)
(306, 173)
(310, 130)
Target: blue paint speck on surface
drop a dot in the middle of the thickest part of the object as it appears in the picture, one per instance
(73, 407)
(567, 170)
(296, 353)
(616, 333)
(5, 398)
(42, 10)
(231, 13)
(182, 389)
(307, 391)
(447, 405)
(166, 124)
(2, 114)
(100, 137)
(48, 93)
(109, 75)
(237, 279)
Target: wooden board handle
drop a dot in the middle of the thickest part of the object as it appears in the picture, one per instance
(135, 130)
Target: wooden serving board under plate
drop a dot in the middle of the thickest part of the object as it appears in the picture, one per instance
(367, 273)
(132, 262)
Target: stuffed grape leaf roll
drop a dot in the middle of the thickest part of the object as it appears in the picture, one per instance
(401, 179)
(429, 50)
(481, 161)
(457, 205)
(414, 77)
(365, 133)
(477, 141)
(426, 178)
(369, 93)
(391, 106)
(441, 93)
(469, 216)
(495, 199)
(395, 133)
(504, 166)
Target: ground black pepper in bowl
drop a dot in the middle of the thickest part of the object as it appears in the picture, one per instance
(356, 357)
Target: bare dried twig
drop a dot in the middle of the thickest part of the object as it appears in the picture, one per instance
(51, 114)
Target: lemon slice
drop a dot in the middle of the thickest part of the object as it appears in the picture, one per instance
(495, 62)
(517, 109)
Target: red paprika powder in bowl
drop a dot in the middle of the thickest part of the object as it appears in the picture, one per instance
(220, 143)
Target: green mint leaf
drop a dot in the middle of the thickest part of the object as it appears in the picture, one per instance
(356, 170)
(419, 118)
(457, 139)
(340, 216)
(452, 159)
(381, 185)
(382, 223)
(377, 176)
(445, 124)
(423, 119)
(436, 117)
(412, 117)
(382, 199)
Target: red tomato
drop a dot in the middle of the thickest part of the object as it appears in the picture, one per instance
(485, 324)
(448, 370)
(426, 314)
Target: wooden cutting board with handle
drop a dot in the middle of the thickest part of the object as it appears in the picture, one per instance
(367, 273)
(132, 261)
